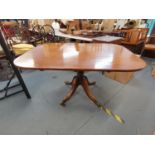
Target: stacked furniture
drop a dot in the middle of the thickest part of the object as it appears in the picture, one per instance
(134, 39)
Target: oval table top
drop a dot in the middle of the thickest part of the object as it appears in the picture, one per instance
(80, 57)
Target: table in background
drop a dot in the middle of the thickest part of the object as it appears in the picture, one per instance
(102, 38)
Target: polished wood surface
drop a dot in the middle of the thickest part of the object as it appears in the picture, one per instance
(149, 47)
(80, 57)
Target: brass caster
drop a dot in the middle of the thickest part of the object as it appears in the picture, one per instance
(63, 104)
(110, 113)
(92, 83)
(68, 83)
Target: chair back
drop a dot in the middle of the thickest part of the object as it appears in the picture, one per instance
(48, 33)
(134, 36)
(86, 25)
(36, 31)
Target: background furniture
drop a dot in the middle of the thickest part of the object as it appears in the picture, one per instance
(18, 39)
(89, 36)
(47, 33)
(134, 39)
(149, 48)
(37, 34)
(16, 73)
(42, 34)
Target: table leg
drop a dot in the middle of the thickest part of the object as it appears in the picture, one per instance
(89, 83)
(74, 84)
(70, 83)
(82, 80)
(85, 85)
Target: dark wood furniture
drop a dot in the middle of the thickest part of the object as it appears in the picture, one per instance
(81, 57)
(37, 35)
(134, 39)
(149, 48)
(48, 33)
(150, 44)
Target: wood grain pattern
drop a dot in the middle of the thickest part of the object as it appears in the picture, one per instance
(150, 47)
(80, 57)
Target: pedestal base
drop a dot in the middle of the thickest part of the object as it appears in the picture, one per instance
(81, 79)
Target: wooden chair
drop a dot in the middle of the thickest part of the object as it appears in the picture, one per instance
(134, 36)
(36, 35)
(48, 33)
(134, 39)
(86, 25)
(73, 25)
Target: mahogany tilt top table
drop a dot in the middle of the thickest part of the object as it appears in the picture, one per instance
(81, 57)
